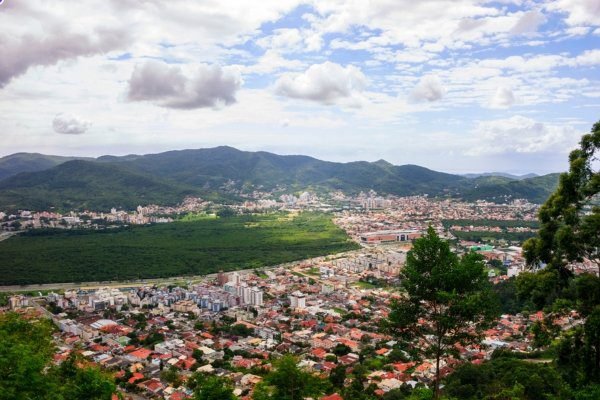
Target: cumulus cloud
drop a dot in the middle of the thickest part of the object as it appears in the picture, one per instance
(169, 86)
(36, 35)
(520, 134)
(21, 53)
(70, 124)
(580, 12)
(529, 23)
(325, 83)
(503, 98)
(429, 88)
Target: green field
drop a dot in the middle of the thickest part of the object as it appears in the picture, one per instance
(179, 248)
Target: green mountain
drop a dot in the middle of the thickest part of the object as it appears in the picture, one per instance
(165, 178)
(504, 174)
(212, 168)
(82, 184)
(30, 162)
(495, 188)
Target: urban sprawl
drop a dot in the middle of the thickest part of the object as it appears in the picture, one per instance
(325, 310)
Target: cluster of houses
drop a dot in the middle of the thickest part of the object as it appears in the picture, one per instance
(236, 324)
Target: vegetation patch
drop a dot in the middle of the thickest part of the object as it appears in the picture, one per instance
(159, 251)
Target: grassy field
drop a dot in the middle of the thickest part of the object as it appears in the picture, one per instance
(179, 248)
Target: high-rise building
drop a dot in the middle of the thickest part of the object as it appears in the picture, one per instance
(256, 297)
(298, 300)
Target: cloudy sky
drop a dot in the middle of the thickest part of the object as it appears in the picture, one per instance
(453, 85)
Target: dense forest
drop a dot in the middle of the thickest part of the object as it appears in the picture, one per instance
(179, 248)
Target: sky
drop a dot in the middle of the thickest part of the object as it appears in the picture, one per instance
(453, 85)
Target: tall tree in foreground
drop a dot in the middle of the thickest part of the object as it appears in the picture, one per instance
(26, 370)
(448, 300)
(570, 218)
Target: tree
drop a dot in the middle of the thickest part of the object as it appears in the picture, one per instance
(82, 383)
(210, 387)
(171, 376)
(25, 350)
(447, 300)
(592, 345)
(337, 376)
(506, 378)
(570, 218)
(26, 372)
(288, 382)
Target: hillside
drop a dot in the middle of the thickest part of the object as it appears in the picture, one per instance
(87, 185)
(29, 162)
(496, 188)
(214, 167)
(167, 177)
(502, 174)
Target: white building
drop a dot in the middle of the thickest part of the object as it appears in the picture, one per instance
(256, 297)
(297, 300)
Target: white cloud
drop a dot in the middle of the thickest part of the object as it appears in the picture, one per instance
(529, 22)
(34, 36)
(271, 61)
(429, 88)
(503, 98)
(580, 12)
(168, 86)
(42, 33)
(282, 40)
(325, 83)
(70, 124)
(520, 134)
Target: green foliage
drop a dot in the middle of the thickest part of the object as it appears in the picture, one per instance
(541, 334)
(341, 349)
(226, 212)
(26, 351)
(510, 302)
(171, 376)
(240, 330)
(540, 288)
(545, 290)
(506, 378)
(337, 376)
(288, 382)
(480, 236)
(82, 383)
(210, 387)
(164, 250)
(452, 296)
(587, 292)
(570, 220)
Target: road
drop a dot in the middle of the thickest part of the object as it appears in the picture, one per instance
(6, 235)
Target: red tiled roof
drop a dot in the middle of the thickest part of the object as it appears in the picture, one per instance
(334, 396)
(142, 353)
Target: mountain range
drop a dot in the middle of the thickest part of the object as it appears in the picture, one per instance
(37, 181)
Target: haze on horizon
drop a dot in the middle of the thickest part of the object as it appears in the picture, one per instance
(453, 85)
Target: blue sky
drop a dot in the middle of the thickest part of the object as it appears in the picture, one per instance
(453, 85)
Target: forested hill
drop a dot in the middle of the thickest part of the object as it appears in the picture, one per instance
(35, 180)
(90, 185)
